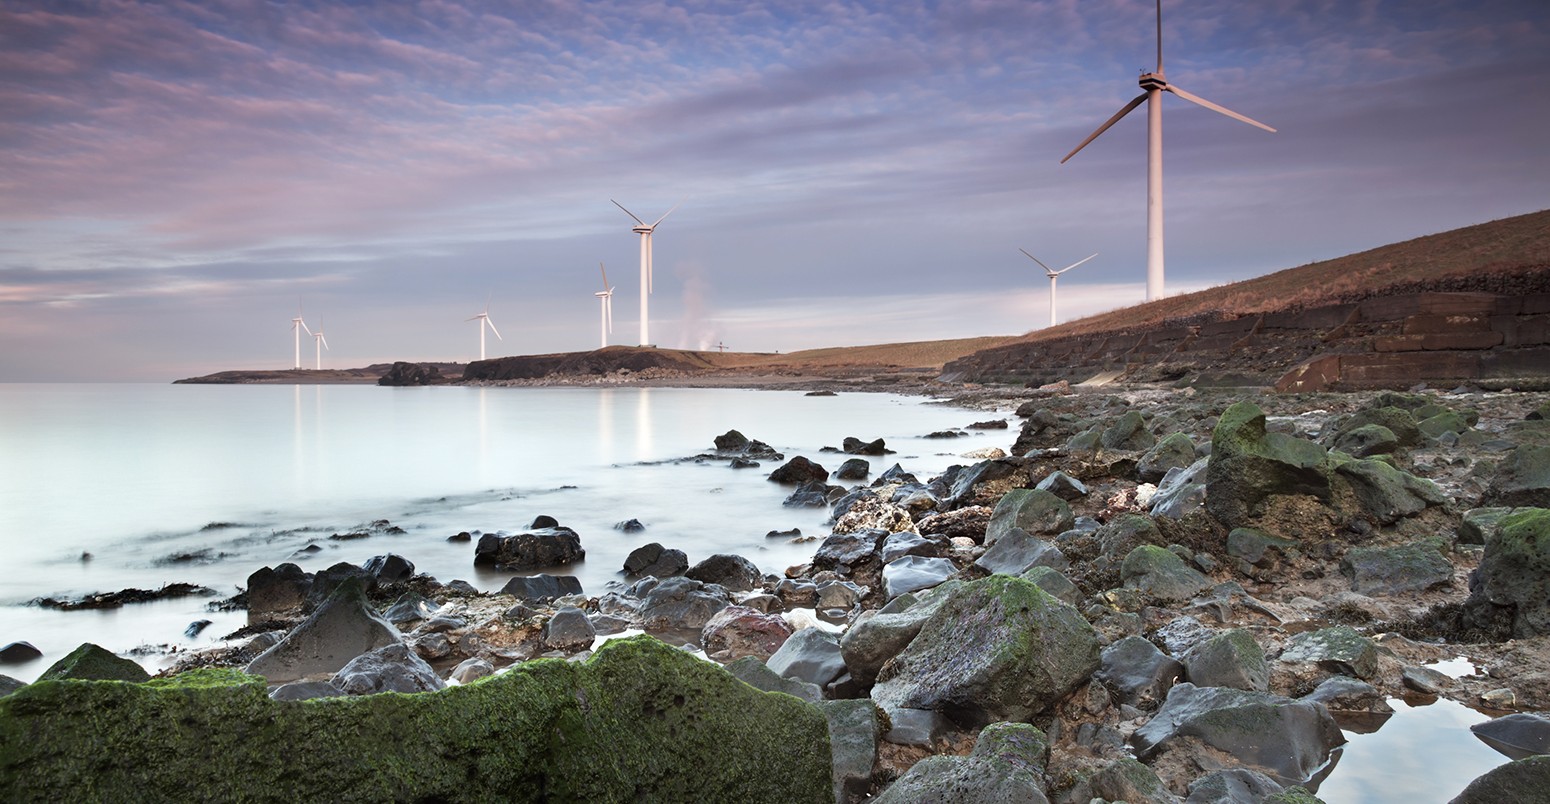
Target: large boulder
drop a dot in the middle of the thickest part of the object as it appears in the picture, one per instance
(1367, 440)
(542, 587)
(1160, 574)
(389, 568)
(811, 655)
(1139, 672)
(1177, 451)
(532, 549)
(344, 627)
(1230, 659)
(855, 728)
(1337, 649)
(569, 631)
(1522, 479)
(92, 663)
(1513, 579)
(999, 648)
(730, 571)
(1249, 465)
(1397, 420)
(654, 559)
(1518, 735)
(1284, 739)
(799, 471)
(679, 604)
(274, 590)
(1033, 510)
(848, 550)
(1399, 570)
(740, 631)
(638, 721)
(876, 637)
(1006, 766)
(1387, 494)
(1522, 781)
(394, 668)
(1181, 492)
(1018, 551)
(914, 573)
(1128, 433)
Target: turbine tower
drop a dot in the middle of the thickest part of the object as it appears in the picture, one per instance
(320, 343)
(606, 297)
(297, 325)
(484, 320)
(1154, 85)
(1053, 275)
(644, 230)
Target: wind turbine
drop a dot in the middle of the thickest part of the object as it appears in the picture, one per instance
(484, 320)
(644, 230)
(320, 343)
(1053, 275)
(1155, 84)
(606, 296)
(297, 325)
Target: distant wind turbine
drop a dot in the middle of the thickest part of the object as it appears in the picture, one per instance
(320, 343)
(484, 320)
(1155, 84)
(1053, 275)
(606, 297)
(297, 326)
(721, 347)
(645, 230)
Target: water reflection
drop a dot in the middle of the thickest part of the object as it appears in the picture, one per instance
(643, 442)
(1420, 753)
(605, 426)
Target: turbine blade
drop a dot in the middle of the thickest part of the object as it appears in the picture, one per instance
(324, 340)
(493, 329)
(1129, 107)
(1074, 264)
(304, 326)
(667, 213)
(475, 318)
(1159, 37)
(1196, 99)
(605, 274)
(1035, 259)
(650, 263)
(627, 212)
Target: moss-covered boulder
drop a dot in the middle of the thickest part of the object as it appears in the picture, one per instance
(1230, 659)
(1131, 782)
(1176, 451)
(638, 721)
(1249, 465)
(1521, 781)
(1033, 510)
(1128, 433)
(1160, 574)
(1399, 421)
(1386, 494)
(1284, 739)
(1006, 767)
(1440, 424)
(1522, 478)
(999, 648)
(1367, 440)
(1338, 649)
(1398, 570)
(92, 663)
(1514, 574)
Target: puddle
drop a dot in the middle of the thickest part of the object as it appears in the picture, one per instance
(1458, 667)
(1421, 753)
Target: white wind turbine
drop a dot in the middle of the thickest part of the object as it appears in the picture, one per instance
(320, 343)
(645, 230)
(1053, 275)
(297, 326)
(1155, 84)
(606, 297)
(484, 320)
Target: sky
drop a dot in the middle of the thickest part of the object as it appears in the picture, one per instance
(177, 179)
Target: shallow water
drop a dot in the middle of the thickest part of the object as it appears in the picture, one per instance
(1422, 753)
(244, 476)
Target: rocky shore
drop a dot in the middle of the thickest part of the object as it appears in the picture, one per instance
(1151, 596)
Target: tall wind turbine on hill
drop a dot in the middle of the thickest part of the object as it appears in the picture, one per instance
(1053, 275)
(606, 296)
(484, 321)
(320, 343)
(1155, 84)
(644, 230)
(297, 325)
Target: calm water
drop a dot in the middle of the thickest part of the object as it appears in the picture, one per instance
(134, 474)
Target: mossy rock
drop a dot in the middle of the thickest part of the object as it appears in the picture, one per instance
(1478, 522)
(1249, 465)
(1161, 574)
(1176, 451)
(1128, 433)
(1522, 478)
(1034, 510)
(1296, 794)
(1398, 570)
(1367, 440)
(1522, 781)
(1444, 422)
(1132, 782)
(1514, 572)
(92, 663)
(1386, 494)
(1399, 420)
(638, 721)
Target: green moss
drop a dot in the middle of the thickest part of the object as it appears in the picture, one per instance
(90, 662)
(639, 720)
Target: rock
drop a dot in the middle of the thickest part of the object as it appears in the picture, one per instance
(878, 636)
(1128, 433)
(1434, 427)
(1034, 510)
(1176, 451)
(853, 469)
(847, 550)
(409, 374)
(1006, 766)
(744, 463)
(968, 523)
(1346, 694)
(195, 628)
(913, 573)
(1478, 522)
(19, 653)
(389, 568)
(92, 663)
(1181, 634)
(842, 595)
(543, 522)
(967, 484)
(1397, 420)
(1229, 659)
(1248, 465)
(1254, 545)
(542, 587)
(730, 571)
(306, 691)
(740, 631)
(731, 441)
(409, 608)
(1181, 491)
(854, 730)
(325, 581)
(1519, 735)
(1017, 552)
(798, 471)
(1233, 786)
(279, 589)
(1131, 782)
(1338, 649)
(1139, 672)
(1514, 575)
(753, 672)
(533, 549)
(1387, 494)
(1063, 486)
(999, 648)
(922, 727)
(654, 559)
(1524, 780)
(811, 655)
(569, 630)
(687, 737)
(1424, 680)
(855, 446)
(1284, 739)
(9, 685)
(344, 627)
(1160, 574)
(874, 514)
(393, 668)
(814, 494)
(910, 543)
(471, 670)
(1405, 569)
(630, 526)
(1522, 479)
(681, 604)
(1052, 581)
(1367, 440)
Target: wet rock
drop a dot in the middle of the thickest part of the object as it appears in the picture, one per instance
(730, 571)
(195, 628)
(798, 471)
(543, 522)
(855, 446)
(910, 543)
(1234, 786)
(1338, 649)
(1176, 451)
(1181, 491)
(92, 663)
(1522, 479)
(1387, 494)
(1160, 574)
(848, 550)
(854, 730)
(1424, 680)
(681, 604)
(1346, 694)
(1513, 579)
(1522, 780)
(654, 559)
(878, 636)
(1132, 782)
(739, 631)
(1230, 659)
(842, 595)
(471, 670)
(1256, 546)
(1054, 582)
(1128, 433)
(1408, 568)
(811, 655)
(813, 494)
(630, 526)
(344, 627)
(389, 568)
(533, 549)
(753, 672)
(913, 573)
(409, 608)
(921, 727)
(541, 587)
(1519, 735)
(325, 581)
(1139, 672)
(569, 630)
(1477, 522)
(1063, 486)
(19, 652)
(731, 441)
(1367, 440)
(274, 590)
(9, 685)
(967, 483)
(1034, 510)
(996, 649)
(1017, 551)
(1248, 465)
(1006, 766)
(1284, 739)
(853, 469)
(393, 668)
